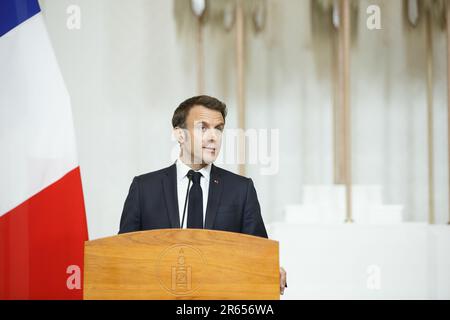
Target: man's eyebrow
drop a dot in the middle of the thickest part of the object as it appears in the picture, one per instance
(203, 122)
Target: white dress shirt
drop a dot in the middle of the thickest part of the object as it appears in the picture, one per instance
(182, 183)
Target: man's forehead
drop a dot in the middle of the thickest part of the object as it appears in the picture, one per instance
(203, 114)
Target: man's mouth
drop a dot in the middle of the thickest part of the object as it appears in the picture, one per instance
(211, 149)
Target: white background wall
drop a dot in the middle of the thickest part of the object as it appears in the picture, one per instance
(132, 62)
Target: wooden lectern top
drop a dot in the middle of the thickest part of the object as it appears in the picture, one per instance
(181, 264)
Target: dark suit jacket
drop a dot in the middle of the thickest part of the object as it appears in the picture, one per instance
(152, 203)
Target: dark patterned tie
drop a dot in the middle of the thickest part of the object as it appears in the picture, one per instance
(195, 207)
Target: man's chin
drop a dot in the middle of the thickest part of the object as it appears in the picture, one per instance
(209, 159)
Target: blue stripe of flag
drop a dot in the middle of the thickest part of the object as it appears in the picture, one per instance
(14, 12)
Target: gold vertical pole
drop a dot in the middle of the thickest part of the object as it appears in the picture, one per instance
(200, 58)
(345, 96)
(429, 48)
(338, 137)
(335, 111)
(448, 91)
(240, 85)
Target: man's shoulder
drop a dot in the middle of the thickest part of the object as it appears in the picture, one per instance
(231, 175)
(155, 175)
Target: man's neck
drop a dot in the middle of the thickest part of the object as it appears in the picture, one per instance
(193, 166)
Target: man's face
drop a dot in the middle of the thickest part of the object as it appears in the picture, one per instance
(203, 135)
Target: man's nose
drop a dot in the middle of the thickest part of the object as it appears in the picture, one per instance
(211, 135)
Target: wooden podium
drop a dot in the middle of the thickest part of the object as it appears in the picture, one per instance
(181, 264)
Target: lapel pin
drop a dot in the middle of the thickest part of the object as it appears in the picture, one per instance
(216, 181)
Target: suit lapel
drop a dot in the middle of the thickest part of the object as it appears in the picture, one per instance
(214, 195)
(170, 194)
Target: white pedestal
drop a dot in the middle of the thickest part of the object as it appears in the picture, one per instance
(352, 261)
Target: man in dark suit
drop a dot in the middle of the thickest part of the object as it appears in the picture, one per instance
(217, 199)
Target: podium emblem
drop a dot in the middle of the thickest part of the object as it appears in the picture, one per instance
(180, 268)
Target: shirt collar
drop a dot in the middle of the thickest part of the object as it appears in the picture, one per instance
(183, 169)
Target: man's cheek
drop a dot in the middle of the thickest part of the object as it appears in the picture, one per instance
(198, 148)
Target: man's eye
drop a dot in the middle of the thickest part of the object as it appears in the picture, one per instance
(203, 128)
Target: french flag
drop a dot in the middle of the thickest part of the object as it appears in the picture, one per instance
(42, 214)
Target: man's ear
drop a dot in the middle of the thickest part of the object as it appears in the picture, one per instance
(179, 134)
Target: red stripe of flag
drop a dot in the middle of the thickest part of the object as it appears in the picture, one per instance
(41, 239)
